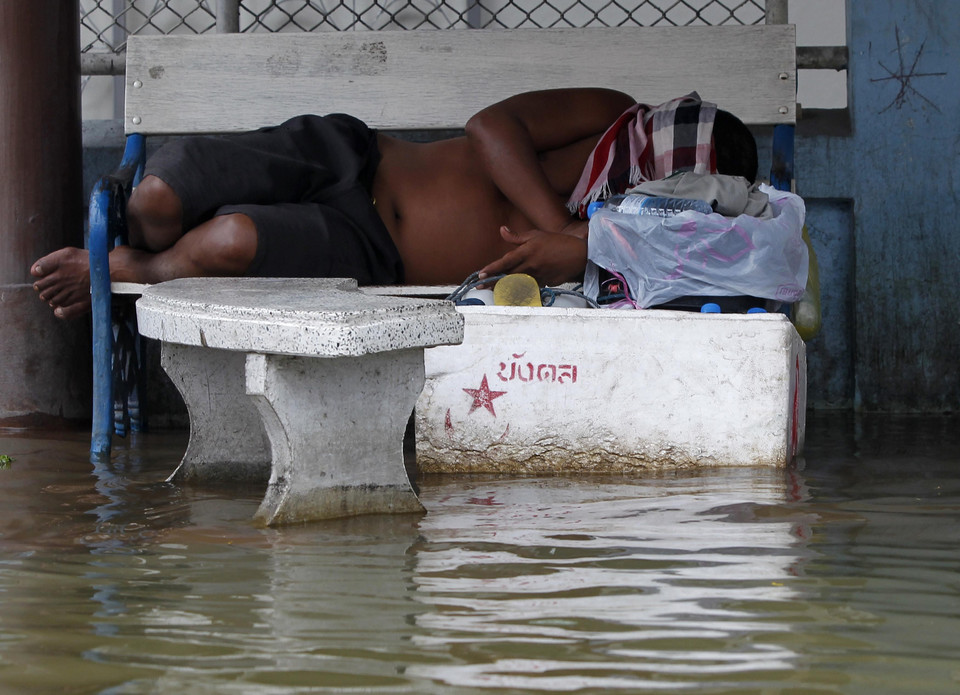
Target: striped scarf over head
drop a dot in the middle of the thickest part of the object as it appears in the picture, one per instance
(645, 144)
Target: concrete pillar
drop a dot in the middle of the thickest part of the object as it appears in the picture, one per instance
(44, 369)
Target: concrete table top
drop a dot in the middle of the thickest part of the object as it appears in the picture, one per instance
(293, 316)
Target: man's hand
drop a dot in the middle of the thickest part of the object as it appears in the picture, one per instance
(551, 258)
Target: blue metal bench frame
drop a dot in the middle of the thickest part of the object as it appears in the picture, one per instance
(117, 374)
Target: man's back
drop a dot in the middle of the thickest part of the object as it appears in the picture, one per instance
(440, 201)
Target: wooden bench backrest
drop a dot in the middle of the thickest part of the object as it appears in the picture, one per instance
(438, 79)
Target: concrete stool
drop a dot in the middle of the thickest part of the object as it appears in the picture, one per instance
(332, 374)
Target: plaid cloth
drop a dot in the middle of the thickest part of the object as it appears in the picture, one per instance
(645, 144)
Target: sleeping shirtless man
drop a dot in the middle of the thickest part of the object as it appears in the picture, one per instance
(386, 211)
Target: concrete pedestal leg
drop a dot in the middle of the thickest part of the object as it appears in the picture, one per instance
(227, 440)
(336, 430)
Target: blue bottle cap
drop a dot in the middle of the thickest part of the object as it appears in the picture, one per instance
(593, 207)
(757, 310)
(710, 308)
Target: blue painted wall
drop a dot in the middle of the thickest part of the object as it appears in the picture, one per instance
(891, 292)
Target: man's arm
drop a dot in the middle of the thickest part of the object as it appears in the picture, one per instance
(509, 137)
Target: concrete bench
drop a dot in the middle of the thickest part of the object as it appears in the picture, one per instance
(309, 381)
(575, 390)
(551, 390)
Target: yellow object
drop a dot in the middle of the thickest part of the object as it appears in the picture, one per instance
(518, 289)
(806, 315)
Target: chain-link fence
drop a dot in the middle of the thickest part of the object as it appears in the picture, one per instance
(105, 24)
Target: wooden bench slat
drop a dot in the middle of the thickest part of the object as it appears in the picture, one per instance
(438, 79)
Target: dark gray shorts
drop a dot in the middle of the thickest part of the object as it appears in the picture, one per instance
(305, 184)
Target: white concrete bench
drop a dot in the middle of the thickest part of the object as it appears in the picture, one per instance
(569, 390)
(558, 390)
(309, 380)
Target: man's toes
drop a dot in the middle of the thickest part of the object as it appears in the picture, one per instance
(56, 296)
(43, 285)
(72, 311)
(65, 295)
(49, 264)
(44, 266)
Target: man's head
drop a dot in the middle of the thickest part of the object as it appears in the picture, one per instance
(735, 147)
(653, 142)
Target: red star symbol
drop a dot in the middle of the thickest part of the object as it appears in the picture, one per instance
(483, 396)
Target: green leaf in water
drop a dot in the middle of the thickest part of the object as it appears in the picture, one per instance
(5, 461)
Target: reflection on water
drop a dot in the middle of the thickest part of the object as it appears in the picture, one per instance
(628, 584)
(840, 575)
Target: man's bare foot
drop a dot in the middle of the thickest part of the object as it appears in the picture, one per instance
(63, 281)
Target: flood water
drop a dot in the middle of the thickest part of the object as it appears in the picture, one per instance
(839, 575)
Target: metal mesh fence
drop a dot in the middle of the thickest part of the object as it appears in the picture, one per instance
(105, 24)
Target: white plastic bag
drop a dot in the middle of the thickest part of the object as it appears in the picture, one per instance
(695, 254)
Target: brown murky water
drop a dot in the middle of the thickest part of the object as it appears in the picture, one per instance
(841, 575)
